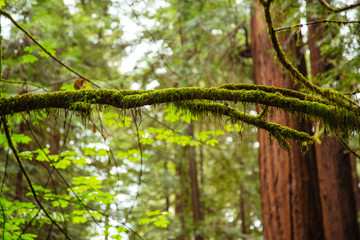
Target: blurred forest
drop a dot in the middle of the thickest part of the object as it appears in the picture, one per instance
(171, 171)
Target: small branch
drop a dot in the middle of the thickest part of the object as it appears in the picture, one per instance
(22, 167)
(348, 7)
(313, 23)
(7, 15)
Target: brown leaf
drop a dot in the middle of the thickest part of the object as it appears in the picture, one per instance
(80, 83)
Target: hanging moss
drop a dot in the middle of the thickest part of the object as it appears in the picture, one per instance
(82, 108)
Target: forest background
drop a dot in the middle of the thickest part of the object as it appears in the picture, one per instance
(173, 171)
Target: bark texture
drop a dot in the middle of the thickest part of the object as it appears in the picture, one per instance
(336, 169)
(289, 183)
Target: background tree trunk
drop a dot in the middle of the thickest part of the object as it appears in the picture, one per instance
(336, 169)
(291, 206)
(194, 185)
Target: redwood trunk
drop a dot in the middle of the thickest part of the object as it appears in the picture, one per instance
(336, 170)
(289, 187)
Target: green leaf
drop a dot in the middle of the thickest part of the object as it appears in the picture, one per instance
(102, 152)
(89, 151)
(239, 128)
(28, 58)
(79, 219)
(144, 221)
(203, 136)
(63, 164)
(89, 181)
(172, 114)
(110, 122)
(60, 203)
(49, 48)
(79, 161)
(67, 87)
(29, 236)
(133, 159)
(117, 237)
(146, 141)
(26, 155)
(163, 223)
(125, 122)
(2, 3)
(31, 49)
(228, 128)
(212, 142)
(153, 213)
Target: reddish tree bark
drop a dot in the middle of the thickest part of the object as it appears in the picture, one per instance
(336, 169)
(289, 184)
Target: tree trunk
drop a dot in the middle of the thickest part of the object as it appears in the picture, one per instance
(338, 183)
(194, 185)
(290, 202)
(181, 200)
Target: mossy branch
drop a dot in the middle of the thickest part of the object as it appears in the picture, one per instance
(336, 118)
(334, 96)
